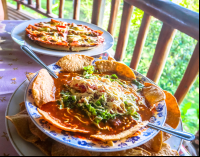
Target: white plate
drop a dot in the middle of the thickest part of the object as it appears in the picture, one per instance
(24, 148)
(18, 35)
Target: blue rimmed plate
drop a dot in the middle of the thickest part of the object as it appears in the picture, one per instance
(85, 144)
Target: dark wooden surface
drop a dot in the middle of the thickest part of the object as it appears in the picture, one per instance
(172, 14)
(144, 28)
(124, 31)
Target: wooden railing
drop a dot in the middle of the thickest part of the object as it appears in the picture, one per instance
(174, 17)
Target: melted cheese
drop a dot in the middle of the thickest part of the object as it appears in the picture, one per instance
(113, 92)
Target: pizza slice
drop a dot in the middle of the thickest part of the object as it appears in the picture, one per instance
(61, 35)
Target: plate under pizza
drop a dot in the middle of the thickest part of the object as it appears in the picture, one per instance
(21, 35)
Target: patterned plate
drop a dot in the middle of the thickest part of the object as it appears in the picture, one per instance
(85, 144)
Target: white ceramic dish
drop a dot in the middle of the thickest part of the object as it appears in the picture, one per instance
(18, 35)
(24, 148)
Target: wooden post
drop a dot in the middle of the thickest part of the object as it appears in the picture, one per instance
(124, 31)
(98, 12)
(189, 76)
(162, 50)
(5, 10)
(49, 5)
(144, 28)
(18, 6)
(76, 9)
(30, 2)
(38, 4)
(113, 16)
(61, 8)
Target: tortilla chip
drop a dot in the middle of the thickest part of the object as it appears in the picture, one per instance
(173, 111)
(74, 62)
(130, 152)
(45, 146)
(56, 124)
(166, 136)
(30, 76)
(152, 94)
(20, 122)
(110, 58)
(155, 144)
(22, 106)
(121, 135)
(115, 67)
(166, 151)
(42, 88)
(59, 149)
(35, 131)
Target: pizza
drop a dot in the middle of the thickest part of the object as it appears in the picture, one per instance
(65, 36)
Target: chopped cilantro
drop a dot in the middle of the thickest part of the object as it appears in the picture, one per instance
(126, 103)
(58, 102)
(138, 84)
(60, 107)
(114, 76)
(98, 103)
(89, 69)
(73, 98)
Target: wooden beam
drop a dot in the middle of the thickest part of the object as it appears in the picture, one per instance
(144, 28)
(113, 16)
(176, 16)
(124, 31)
(189, 76)
(162, 50)
(98, 12)
(49, 6)
(76, 9)
(61, 8)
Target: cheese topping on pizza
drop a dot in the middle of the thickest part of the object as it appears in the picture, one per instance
(70, 35)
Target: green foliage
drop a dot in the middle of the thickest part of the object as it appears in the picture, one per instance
(177, 61)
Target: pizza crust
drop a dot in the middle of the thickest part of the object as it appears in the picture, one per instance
(79, 48)
(54, 46)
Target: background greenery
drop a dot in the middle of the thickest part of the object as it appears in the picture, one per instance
(178, 59)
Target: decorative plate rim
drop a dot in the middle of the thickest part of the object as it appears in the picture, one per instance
(155, 132)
